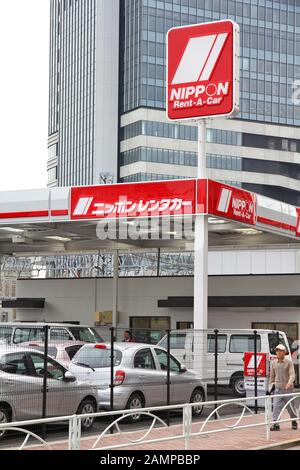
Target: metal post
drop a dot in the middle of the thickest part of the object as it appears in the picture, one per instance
(168, 375)
(112, 363)
(216, 371)
(255, 371)
(268, 415)
(158, 262)
(201, 267)
(187, 425)
(44, 403)
(74, 433)
(201, 243)
(115, 289)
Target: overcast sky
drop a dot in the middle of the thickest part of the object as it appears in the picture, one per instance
(24, 52)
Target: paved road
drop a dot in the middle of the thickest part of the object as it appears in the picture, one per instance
(60, 431)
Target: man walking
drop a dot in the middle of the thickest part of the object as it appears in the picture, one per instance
(282, 377)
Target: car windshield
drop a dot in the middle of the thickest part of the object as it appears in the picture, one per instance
(274, 340)
(97, 358)
(52, 350)
(24, 334)
(72, 350)
(87, 335)
(5, 334)
(177, 341)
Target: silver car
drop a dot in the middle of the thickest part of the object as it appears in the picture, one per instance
(21, 388)
(140, 376)
(62, 351)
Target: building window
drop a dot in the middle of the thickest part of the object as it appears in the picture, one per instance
(52, 175)
(52, 151)
(149, 329)
(285, 144)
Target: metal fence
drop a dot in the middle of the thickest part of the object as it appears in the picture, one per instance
(55, 371)
(244, 420)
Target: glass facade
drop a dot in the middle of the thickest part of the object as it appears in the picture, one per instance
(270, 86)
(157, 155)
(148, 177)
(214, 136)
(270, 83)
(224, 162)
(270, 52)
(72, 88)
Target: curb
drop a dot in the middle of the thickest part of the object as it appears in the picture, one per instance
(278, 445)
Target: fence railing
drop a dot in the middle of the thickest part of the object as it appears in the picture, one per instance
(189, 429)
(45, 387)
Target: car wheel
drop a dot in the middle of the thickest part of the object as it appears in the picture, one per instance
(87, 406)
(135, 402)
(197, 397)
(238, 386)
(4, 419)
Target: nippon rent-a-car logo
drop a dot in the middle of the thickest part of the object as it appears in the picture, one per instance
(251, 363)
(239, 207)
(197, 65)
(155, 219)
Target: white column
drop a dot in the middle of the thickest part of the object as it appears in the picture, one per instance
(115, 288)
(201, 269)
(201, 244)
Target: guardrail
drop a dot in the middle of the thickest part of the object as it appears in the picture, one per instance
(116, 417)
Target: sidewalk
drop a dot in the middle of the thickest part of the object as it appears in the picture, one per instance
(238, 439)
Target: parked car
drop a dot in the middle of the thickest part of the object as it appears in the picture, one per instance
(21, 388)
(231, 347)
(140, 376)
(19, 332)
(62, 351)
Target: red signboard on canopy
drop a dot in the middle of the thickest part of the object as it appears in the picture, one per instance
(231, 203)
(203, 70)
(134, 200)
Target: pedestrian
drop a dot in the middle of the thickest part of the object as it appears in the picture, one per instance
(128, 338)
(282, 377)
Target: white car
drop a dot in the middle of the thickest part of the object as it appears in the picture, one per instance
(231, 347)
(22, 332)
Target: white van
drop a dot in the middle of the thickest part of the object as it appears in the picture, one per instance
(231, 347)
(23, 332)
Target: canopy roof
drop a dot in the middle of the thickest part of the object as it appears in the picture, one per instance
(69, 220)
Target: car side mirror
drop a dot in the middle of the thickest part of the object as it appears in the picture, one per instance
(9, 368)
(183, 368)
(68, 377)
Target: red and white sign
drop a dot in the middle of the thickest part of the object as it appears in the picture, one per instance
(203, 70)
(249, 364)
(202, 196)
(134, 200)
(298, 222)
(231, 203)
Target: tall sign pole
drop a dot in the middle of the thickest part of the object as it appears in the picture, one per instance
(202, 82)
(200, 318)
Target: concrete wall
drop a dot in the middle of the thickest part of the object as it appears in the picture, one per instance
(9, 312)
(75, 299)
(78, 299)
